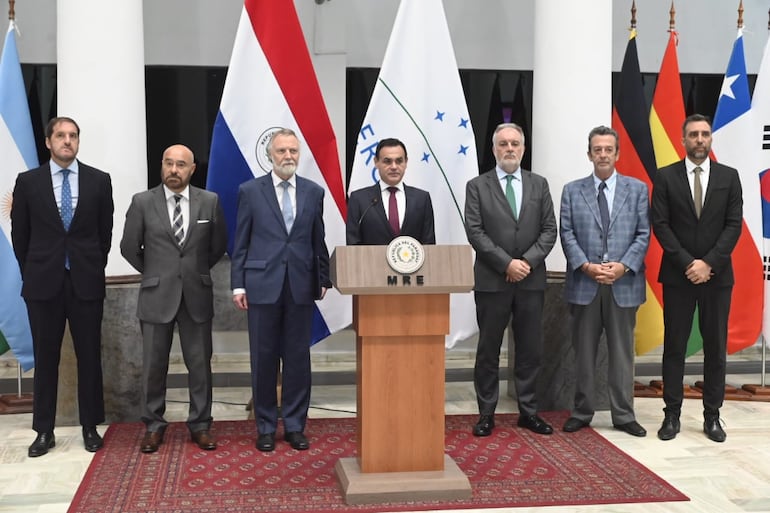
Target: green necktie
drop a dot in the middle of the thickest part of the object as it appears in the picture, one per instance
(511, 197)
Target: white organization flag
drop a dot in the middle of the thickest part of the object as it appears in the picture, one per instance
(419, 99)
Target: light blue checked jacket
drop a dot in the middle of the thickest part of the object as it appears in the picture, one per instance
(628, 238)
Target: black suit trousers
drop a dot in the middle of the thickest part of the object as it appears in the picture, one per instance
(713, 311)
(47, 320)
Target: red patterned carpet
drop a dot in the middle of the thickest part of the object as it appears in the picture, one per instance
(511, 468)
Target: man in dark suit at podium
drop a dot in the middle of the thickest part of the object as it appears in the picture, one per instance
(510, 223)
(389, 208)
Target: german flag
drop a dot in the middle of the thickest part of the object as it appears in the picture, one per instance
(637, 159)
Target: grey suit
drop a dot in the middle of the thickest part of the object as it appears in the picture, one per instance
(498, 238)
(596, 307)
(176, 289)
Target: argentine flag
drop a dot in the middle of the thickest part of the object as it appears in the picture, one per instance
(271, 84)
(17, 146)
(418, 98)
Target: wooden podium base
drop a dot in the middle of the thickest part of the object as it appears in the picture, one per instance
(14, 403)
(377, 487)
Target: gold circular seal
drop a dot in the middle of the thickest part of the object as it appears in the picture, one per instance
(405, 254)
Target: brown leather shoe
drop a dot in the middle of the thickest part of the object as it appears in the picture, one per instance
(204, 440)
(151, 441)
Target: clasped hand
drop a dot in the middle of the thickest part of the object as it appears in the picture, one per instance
(605, 273)
(517, 270)
(698, 272)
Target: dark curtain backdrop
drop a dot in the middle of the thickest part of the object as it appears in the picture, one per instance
(182, 104)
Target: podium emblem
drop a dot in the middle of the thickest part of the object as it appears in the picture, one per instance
(405, 254)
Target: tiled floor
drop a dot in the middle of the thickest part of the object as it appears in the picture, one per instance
(719, 478)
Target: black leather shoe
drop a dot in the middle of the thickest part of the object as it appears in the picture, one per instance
(42, 443)
(91, 439)
(484, 426)
(266, 442)
(669, 428)
(573, 425)
(535, 424)
(297, 440)
(632, 428)
(713, 429)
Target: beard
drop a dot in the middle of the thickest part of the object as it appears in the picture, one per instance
(285, 169)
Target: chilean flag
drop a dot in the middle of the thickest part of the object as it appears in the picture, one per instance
(271, 84)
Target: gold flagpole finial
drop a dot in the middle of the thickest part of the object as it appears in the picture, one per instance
(11, 10)
(633, 14)
(740, 15)
(672, 18)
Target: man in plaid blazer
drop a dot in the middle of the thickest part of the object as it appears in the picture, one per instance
(605, 231)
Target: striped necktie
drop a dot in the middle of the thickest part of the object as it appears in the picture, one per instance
(178, 222)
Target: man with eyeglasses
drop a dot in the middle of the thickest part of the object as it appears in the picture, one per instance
(389, 208)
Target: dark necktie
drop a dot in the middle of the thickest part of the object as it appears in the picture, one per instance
(393, 211)
(66, 200)
(604, 213)
(697, 192)
(178, 222)
(511, 196)
(286, 210)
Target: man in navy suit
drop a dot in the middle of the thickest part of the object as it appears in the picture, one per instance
(280, 265)
(605, 232)
(697, 216)
(510, 223)
(379, 213)
(61, 232)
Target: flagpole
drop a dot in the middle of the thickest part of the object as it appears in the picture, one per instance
(759, 390)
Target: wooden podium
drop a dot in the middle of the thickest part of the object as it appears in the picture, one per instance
(401, 322)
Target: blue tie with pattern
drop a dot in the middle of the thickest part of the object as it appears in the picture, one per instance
(66, 200)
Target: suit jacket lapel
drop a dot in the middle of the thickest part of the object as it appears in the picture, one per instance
(195, 208)
(48, 199)
(683, 184)
(380, 211)
(588, 191)
(161, 209)
(301, 198)
(714, 179)
(619, 199)
(497, 193)
(268, 191)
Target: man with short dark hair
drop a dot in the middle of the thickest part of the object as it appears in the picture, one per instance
(389, 208)
(697, 216)
(62, 232)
